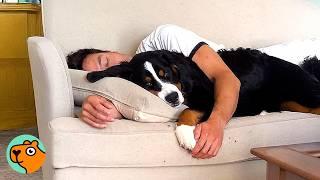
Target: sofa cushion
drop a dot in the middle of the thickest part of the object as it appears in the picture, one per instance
(126, 143)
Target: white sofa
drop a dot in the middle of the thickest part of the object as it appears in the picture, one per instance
(133, 150)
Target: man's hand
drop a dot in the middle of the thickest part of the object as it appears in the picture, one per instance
(209, 136)
(98, 111)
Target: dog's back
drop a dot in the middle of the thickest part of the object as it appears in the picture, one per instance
(267, 81)
(312, 66)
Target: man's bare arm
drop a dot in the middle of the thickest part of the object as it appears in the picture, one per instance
(226, 93)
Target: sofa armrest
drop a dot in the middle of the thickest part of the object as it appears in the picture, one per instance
(51, 82)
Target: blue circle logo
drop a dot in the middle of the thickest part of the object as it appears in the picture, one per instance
(26, 154)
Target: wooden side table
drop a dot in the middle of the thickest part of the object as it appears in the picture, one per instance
(17, 23)
(299, 161)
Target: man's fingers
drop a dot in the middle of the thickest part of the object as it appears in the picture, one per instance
(89, 112)
(96, 111)
(101, 108)
(205, 149)
(197, 132)
(107, 103)
(104, 113)
(97, 116)
(105, 106)
(209, 142)
(91, 117)
(211, 152)
(219, 143)
(204, 152)
(91, 123)
(212, 149)
(200, 143)
(100, 103)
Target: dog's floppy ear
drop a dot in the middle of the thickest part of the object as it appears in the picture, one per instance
(123, 70)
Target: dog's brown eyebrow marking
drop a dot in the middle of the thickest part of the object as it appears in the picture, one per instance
(148, 79)
(161, 72)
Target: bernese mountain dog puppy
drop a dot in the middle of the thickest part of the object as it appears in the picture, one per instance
(267, 83)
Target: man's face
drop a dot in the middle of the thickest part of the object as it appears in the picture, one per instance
(104, 60)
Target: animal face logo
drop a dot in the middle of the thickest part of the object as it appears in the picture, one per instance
(27, 155)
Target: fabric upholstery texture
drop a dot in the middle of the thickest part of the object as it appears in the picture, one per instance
(228, 171)
(155, 144)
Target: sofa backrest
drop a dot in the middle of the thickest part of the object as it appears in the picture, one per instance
(121, 25)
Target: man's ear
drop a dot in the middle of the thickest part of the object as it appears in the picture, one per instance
(123, 71)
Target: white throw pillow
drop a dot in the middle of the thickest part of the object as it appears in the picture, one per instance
(294, 51)
(132, 101)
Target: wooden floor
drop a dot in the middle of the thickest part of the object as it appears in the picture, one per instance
(6, 173)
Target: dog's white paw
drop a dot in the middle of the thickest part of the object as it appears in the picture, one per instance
(263, 113)
(185, 136)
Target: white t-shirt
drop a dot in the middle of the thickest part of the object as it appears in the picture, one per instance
(174, 38)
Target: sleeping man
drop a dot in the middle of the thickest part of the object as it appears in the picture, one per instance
(98, 112)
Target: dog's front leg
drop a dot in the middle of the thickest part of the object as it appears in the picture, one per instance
(96, 76)
(123, 71)
(188, 119)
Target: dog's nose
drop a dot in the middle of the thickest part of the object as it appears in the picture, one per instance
(16, 152)
(172, 97)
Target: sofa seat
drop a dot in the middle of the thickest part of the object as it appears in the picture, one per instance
(125, 143)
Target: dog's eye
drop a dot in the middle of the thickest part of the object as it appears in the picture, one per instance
(149, 84)
(148, 79)
(30, 151)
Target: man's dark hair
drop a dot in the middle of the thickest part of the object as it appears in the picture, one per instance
(75, 59)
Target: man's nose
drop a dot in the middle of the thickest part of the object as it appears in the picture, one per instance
(16, 152)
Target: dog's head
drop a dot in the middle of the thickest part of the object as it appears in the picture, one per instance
(163, 73)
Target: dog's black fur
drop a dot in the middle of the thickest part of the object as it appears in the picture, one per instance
(266, 81)
(312, 65)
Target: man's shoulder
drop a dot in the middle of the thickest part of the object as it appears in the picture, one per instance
(167, 29)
